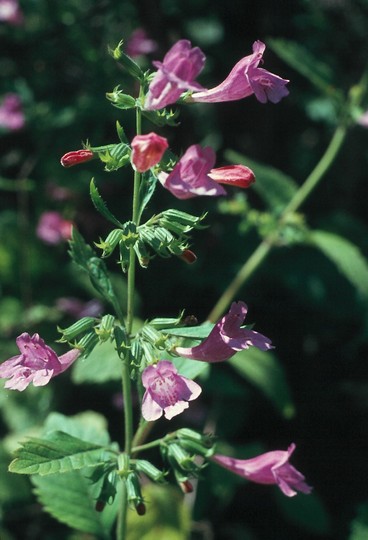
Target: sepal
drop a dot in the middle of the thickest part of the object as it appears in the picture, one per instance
(163, 117)
(128, 63)
(80, 327)
(120, 100)
(150, 470)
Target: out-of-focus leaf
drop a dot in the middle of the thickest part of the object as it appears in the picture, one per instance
(194, 332)
(166, 517)
(306, 511)
(58, 453)
(88, 426)
(71, 499)
(190, 368)
(263, 369)
(345, 255)
(359, 526)
(103, 364)
(12, 487)
(299, 58)
(273, 186)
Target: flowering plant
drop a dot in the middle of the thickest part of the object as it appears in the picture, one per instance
(154, 357)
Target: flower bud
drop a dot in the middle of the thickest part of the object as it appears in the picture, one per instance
(188, 256)
(147, 151)
(76, 157)
(186, 486)
(235, 175)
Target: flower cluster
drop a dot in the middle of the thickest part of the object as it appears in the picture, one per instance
(181, 65)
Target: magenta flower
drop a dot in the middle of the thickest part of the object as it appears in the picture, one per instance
(363, 120)
(53, 229)
(37, 363)
(166, 391)
(140, 44)
(226, 338)
(270, 468)
(234, 175)
(10, 12)
(175, 75)
(194, 176)
(76, 157)
(11, 113)
(245, 79)
(77, 308)
(147, 151)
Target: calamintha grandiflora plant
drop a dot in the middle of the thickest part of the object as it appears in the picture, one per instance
(149, 356)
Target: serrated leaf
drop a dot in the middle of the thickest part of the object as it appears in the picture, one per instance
(100, 205)
(345, 255)
(262, 368)
(299, 58)
(71, 499)
(58, 453)
(103, 364)
(275, 187)
(147, 189)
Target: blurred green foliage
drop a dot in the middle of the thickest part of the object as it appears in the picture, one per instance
(311, 302)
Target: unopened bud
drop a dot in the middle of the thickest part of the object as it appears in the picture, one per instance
(76, 157)
(186, 486)
(188, 256)
(99, 506)
(141, 509)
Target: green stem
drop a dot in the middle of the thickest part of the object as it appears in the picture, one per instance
(262, 251)
(126, 382)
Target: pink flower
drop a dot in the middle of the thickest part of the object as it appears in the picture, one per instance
(189, 178)
(193, 175)
(139, 44)
(10, 12)
(234, 175)
(75, 157)
(53, 229)
(166, 391)
(175, 75)
(246, 78)
(11, 113)
(226, 338)
(37, 363)
(270, 468)
(147, 151)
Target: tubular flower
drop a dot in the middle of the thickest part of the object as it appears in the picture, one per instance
(226, 338)
(189, 178)
(269, 468)
(53, 229)
(245, 79)
(10, 12)
(175, 75)
(139, 44)
(166, 391)
(147, 151)
(37, 363)
(75, 157)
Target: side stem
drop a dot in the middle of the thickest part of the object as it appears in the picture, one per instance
(264, 248)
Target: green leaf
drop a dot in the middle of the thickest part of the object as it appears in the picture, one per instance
(306, 511)
(345, 255)
(359, 526)
(166, 517)
(263, 369)
(146, 190)
(102, 365)
(88, 426)
(193, 332)
(58, 453)
(272, 185)
(191, 368)
(100, 205)
(71, 499)
(299, 58)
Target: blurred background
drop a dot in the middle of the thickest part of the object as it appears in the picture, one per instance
(55, 71)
